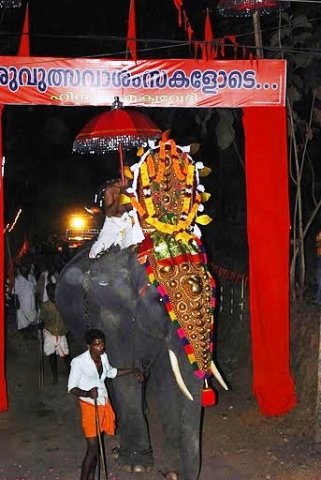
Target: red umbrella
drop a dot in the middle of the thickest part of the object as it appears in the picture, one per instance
(116, 129)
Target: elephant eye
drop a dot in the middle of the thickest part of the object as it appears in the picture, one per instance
(104, 283)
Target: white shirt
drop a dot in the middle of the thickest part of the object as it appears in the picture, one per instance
(84, 375)
(25, 289)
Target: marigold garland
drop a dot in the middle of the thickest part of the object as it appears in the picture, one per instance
(151, 166)
(135, 203)
(161, 170)
(179, 174)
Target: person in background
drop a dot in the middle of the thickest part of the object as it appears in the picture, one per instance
(54, 333)
(87, 381)
(48, 275)
(24, 290)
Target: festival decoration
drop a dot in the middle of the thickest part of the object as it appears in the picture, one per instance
(24, 46)
(208, 52)
(114, 130)
(131, 33)
(10, 3)
(246, 8)
(166, 193)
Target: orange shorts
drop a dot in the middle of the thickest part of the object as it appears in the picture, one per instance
(106, 418)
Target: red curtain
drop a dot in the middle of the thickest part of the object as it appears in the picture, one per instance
(3, 385)
(268, 228)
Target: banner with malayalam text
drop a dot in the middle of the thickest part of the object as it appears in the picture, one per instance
(144, 83)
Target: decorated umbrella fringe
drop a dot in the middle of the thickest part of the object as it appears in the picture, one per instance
(114, 128)
(245, 8)
(99, 145)
(10, 3)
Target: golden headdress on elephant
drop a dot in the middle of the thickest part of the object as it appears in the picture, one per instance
(168, 197)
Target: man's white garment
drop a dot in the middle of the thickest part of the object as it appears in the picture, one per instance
(55, 344)
(123, 231)
(42, 284)
(84, 375)
(25, 289)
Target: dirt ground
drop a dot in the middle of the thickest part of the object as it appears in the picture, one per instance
(41, 439)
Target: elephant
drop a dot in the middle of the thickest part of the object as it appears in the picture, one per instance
(113, 293)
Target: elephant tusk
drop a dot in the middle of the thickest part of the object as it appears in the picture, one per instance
(178, 375)
(217, 375)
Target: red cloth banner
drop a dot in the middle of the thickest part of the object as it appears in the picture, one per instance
(24, 47)
(146, 83)
(131, 34)
(268, 229)
(208, 51)
(3, 384)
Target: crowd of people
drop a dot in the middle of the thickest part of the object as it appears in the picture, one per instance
(31, 293)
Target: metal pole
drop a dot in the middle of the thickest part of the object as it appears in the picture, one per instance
(121, 161)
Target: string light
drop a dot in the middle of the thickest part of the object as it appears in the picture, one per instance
(9, 227)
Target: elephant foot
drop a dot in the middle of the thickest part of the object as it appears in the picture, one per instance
(136, 468)
(115, 453)
(132, 461)
(170, 475)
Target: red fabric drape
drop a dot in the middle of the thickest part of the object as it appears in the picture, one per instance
(131, 33)
(3, 384)
(208, 51)
(24, 47)
(268, 236)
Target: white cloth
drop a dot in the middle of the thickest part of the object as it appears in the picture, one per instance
(55, 344)
(43, 282)
(123, 231)
(25, 289)
(84, 375)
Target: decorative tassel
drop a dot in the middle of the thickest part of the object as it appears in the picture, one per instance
(208, 395)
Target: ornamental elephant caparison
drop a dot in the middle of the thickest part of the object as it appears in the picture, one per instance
(112, 293)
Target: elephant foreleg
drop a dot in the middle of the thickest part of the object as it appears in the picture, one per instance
(181, 421)
(135, 453)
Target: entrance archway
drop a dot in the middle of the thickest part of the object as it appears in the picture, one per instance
(256, 86)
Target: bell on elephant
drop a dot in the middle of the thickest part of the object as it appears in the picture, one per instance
(208, 395)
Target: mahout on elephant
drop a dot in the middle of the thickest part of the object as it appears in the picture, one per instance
(155, 303)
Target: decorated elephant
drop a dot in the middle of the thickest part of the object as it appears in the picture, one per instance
(155, 303)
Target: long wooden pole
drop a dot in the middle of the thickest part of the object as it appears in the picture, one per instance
(257, 34)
